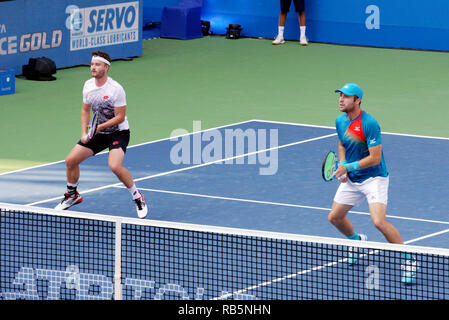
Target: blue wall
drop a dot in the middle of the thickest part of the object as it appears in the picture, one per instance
(385, 23)
(404, 24)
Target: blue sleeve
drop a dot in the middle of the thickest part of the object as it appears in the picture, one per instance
(338, 128)
(372, 133)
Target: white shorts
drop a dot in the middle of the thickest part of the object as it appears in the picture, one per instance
(372, 189)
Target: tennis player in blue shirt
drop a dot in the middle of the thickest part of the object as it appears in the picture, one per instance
(363, 174)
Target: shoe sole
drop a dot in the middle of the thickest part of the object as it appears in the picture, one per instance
(146, 208)
(276, 44)
(146, 213)
(73, 204)
(142, 217)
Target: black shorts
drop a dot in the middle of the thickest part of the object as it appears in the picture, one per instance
(114, 140)
(299, 5)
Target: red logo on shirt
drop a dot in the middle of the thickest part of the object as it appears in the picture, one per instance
(115, 143)
(355, 130)
(105, 97)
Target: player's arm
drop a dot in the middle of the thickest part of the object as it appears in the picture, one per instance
(340, 173)
(120, 113)
(373, 159)
(341, 152)
(85, 116)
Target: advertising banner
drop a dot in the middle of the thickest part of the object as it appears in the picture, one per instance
(67, 31)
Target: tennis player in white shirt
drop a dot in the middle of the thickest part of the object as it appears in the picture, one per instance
(106, 96)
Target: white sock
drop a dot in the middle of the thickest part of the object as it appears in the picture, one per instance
(303, 31)
(281, 32)
(134, 192)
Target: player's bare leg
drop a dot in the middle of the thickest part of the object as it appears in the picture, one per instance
(116, 157)
(77, 155)
(338, 218)
(409, 264)
(73, 160)
(378, 213)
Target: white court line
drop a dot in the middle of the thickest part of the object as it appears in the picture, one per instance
(317, 268)
(229, 125)
(427, 236)
(277, 204)
(133, 146)
(192, 167)
(333, 128)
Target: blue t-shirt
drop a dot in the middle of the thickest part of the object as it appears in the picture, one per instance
(357, 136)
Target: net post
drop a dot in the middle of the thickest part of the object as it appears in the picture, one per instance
(118, 261)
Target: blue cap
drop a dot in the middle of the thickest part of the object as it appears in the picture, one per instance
(351, 89)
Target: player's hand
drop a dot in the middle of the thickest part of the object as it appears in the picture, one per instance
(343, 178)
(341, 173)
(85, 138)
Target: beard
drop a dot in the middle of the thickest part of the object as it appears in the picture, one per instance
(347, 108)
(98, 74)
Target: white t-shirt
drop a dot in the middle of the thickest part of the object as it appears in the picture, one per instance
(104, 99)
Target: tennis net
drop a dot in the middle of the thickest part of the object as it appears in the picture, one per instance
(49, 254)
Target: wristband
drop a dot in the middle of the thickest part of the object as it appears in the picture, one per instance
(343, 162)
(352, 166)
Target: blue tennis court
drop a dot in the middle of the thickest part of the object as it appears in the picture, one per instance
(291, 198)
(260, 178)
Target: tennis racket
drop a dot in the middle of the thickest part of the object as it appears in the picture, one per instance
(93, 126)
(330, 164)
